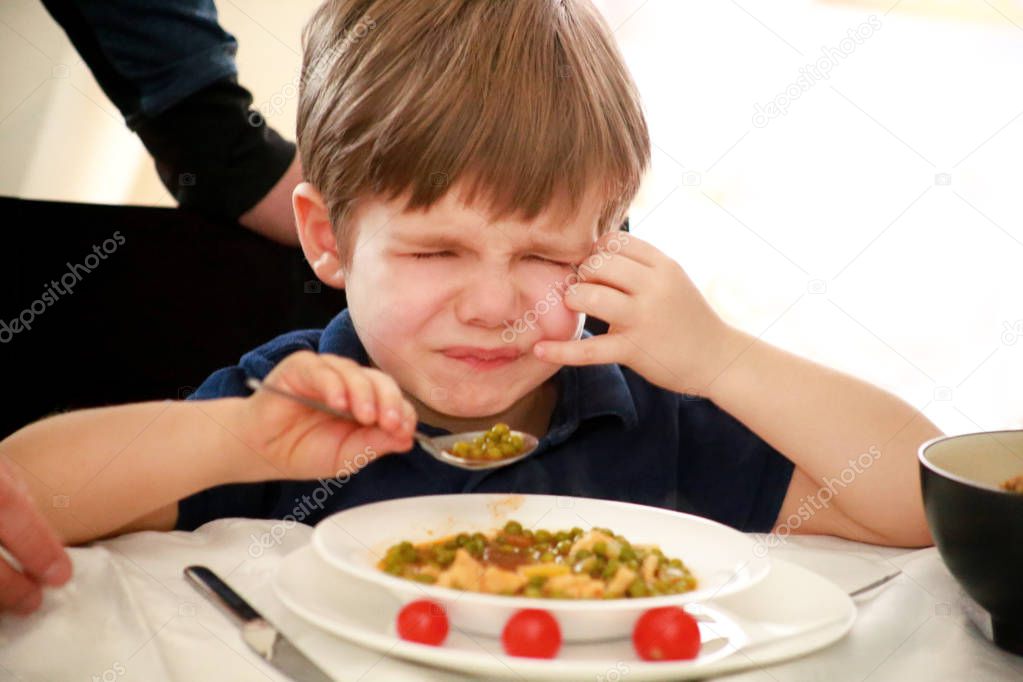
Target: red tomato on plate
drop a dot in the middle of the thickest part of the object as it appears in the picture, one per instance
(533, 633)
(423, 621)
(666, 634)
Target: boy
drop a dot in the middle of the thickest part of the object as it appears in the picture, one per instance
(468, 162)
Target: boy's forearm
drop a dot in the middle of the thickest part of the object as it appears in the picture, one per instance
(824, 420)
(93, 471)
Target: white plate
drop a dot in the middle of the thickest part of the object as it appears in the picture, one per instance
(722, 559)
(791, 613)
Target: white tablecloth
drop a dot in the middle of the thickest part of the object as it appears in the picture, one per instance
(128, 614)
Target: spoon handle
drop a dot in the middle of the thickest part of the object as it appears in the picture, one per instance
(255, 384)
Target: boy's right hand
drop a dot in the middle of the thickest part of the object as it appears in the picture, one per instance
(302, 443)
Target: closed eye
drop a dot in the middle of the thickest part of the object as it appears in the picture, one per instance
(548, 260)
(432, 254)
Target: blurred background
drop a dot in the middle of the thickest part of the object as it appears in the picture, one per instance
(841, 178)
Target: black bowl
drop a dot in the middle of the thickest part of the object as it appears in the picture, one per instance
(977, 526)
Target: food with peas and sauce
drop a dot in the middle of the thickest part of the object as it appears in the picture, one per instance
(513, 561)
(1014, 485)
(497, 443)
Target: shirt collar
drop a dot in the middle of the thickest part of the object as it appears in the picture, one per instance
(586, 392)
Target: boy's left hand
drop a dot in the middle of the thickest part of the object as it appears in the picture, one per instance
(660, 324)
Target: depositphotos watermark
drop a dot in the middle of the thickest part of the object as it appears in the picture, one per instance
(812, 504)
(556, 291)
(64, 287)
(813, 73)
(305, 505)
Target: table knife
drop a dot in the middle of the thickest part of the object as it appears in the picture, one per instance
(259, 634)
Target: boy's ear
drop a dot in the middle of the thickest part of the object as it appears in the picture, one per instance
(316, 235)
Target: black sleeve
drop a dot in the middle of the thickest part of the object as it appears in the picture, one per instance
(213, 153)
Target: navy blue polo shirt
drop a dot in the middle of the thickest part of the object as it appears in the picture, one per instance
(613, 435)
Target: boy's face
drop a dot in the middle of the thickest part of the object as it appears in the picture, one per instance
(450, 304)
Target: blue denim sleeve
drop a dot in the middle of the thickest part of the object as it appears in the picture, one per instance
(148, 54)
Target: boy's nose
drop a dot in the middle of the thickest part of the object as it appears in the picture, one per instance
(488, 300)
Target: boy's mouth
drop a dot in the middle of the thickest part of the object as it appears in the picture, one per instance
(483, 358)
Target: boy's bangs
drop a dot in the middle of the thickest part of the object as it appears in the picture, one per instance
(526, 105)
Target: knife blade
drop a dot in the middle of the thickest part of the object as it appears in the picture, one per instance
(257, 632)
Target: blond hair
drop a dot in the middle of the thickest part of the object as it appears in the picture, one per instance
(528, 102)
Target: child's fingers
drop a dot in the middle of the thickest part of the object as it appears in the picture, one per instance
(339, 383)
(361, 400)
(370, 395)
(409, 418)
(390, 401)
(596, 350)
(364, 389)
(629, 245)
(355, 449)
(616, 271)
(601, 301)
(306, 374)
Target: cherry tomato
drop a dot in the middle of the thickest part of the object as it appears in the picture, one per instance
(666, 634)
(532, 633)
(423, 621)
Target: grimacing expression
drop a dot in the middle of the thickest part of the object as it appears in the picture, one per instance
(435, 296)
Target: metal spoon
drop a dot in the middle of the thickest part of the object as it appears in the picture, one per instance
(439, 447)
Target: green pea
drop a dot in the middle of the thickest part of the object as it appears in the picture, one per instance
(443, 556)
(627, 553)
(600, 548)
(424, 578)
(513, 528)
(582, 554)
(638, 589)
(543, 535)
(533, 592)
(407, 552)
(611, 569)
(546, 557)
(537, 580)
